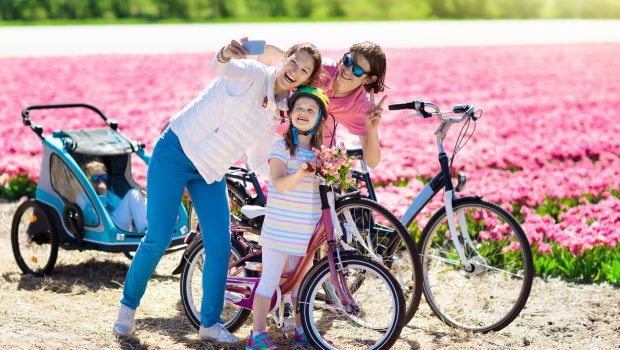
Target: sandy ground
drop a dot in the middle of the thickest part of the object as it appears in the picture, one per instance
(75, 308)
(176, 38)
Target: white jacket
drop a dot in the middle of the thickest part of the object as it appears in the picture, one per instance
(221, 123)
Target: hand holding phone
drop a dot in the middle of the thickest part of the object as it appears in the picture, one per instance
(254, 47)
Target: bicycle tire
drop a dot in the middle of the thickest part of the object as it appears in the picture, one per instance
(399, 250)
(191, 294)
(456, 295)
(40, 236)
(393, 306)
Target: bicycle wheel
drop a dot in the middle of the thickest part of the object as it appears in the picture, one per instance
(33, 239)
(490, 296)
(375, 325)
(382, 235)
(191, 286)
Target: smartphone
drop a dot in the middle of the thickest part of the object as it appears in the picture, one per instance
(254, 47)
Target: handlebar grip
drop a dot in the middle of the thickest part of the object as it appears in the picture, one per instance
(460, 108)
(397, 106)
(307, 166)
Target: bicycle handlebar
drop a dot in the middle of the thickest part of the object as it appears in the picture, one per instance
(420, 106)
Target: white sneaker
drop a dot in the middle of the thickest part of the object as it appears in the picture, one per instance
(124, 324)
(218, 333)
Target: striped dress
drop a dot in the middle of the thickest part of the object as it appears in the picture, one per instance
(292, 215)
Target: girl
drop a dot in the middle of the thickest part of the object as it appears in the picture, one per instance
(293, 207)
(201, 142)
(350, 85)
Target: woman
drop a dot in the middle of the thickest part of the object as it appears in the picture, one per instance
(350, 85)
(201, 142)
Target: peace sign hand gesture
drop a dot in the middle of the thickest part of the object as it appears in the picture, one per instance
(373, 117)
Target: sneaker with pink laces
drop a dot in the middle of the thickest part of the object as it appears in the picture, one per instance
(300, 340)
(260, 341)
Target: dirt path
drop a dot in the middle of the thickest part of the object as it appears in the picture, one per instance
(75, 308)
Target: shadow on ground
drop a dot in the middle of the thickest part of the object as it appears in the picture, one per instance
(89, 276)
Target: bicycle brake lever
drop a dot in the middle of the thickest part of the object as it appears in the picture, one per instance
(413, 115)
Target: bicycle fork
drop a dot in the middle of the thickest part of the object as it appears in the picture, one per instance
(476, 263)
(449, 197)
(339, 287)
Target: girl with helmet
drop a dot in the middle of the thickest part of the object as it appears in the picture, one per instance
(293, 206)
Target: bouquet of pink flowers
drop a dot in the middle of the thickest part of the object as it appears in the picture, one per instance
(334, 165)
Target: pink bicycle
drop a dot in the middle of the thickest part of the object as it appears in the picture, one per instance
(346, 300)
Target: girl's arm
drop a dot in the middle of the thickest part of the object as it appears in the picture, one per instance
(371, 148)
(272, 55)
(280, 178)
(370, 143)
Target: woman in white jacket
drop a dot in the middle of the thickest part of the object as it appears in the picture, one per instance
(201, 142)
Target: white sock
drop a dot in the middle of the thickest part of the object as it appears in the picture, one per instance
(299, 330)
(255, 333)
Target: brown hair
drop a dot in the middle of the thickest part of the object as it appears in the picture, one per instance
(311, 50)
(376, 58)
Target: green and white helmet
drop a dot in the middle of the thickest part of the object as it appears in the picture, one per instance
(313, 92)
(317, 95)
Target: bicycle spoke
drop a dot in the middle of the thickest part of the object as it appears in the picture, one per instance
(494, 285)
(374, 323)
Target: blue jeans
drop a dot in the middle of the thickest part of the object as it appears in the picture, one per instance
(169, 172)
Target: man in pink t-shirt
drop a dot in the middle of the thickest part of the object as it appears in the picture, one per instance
(350, 85)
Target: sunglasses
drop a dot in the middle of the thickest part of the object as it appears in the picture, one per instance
(348, 62)
(97, 178)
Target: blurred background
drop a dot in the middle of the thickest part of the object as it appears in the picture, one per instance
(144, 11)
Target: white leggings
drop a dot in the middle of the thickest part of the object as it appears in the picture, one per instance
(273, 265)
(131, 212)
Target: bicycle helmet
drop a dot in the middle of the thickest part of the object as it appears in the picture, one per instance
(317, 95)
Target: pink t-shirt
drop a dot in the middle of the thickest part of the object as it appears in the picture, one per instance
(349, 110)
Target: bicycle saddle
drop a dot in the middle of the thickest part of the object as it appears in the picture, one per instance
(253, 211)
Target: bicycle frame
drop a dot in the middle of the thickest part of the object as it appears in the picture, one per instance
(245, 287)
(440, 181)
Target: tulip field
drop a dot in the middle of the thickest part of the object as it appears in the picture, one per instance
(546, 148)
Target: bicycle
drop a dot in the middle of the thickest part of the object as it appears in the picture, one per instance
(470, 248)
(379, 234)
(491, 241)
(340, 291)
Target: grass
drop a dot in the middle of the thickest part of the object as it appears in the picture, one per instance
(106, 21)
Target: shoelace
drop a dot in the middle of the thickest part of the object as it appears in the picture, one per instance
(265, 339)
